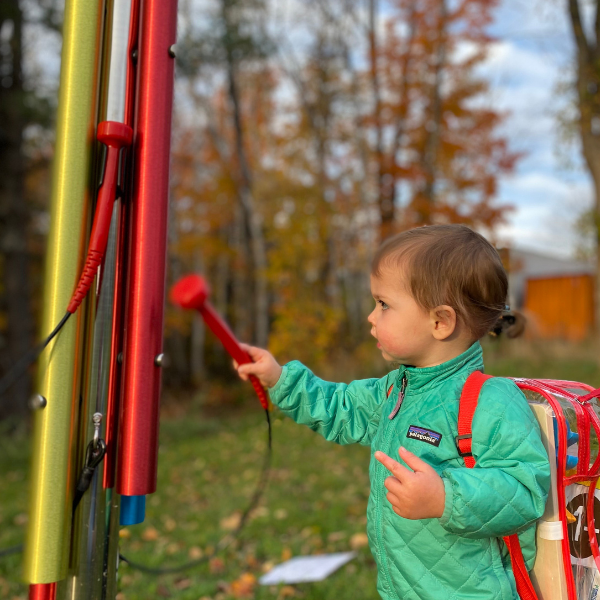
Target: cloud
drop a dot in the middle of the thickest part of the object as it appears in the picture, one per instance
(532, 54)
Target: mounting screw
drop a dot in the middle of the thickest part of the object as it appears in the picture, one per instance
(173, 51)
(37, 402)
(160, 360)
(120, 358)
(134, 55)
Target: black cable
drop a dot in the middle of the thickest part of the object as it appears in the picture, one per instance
(223, 545)
(228, 540)
(28, 359)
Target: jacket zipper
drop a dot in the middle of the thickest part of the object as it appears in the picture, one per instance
(387, 435)
(400, 397)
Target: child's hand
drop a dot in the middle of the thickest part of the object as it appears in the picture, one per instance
(265, 367)
(416, 494)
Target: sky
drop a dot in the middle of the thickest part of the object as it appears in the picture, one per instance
(532, 58)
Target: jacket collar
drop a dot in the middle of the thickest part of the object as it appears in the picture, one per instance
(420, 380)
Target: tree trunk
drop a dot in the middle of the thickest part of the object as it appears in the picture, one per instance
(14, 218)
(433, 127)
(384, 179)
(252, 218)
(588, 95)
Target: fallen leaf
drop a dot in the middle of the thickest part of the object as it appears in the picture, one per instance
(252, 561)
(216, 565)
(170, 524)
(281, 513)
(124, 533)
(172, 548)
(287, 591)
(195, 553)
(150, 534)
(231, 522)
(267, 566)
(183, 584)
(359, 540)
(286, 554)
(261, 511)
(336, 536)
(244, 586)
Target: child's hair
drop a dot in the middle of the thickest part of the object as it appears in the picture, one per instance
(452, 265)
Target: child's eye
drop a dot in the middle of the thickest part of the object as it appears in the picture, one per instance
(383, 305)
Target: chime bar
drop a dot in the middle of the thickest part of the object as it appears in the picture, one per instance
(131, 11)
(119, 61)
(47, 548)
(142, 356)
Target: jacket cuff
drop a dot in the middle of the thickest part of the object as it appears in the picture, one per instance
(448, 502)
(276, 390)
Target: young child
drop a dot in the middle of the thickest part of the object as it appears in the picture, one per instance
(434, 526)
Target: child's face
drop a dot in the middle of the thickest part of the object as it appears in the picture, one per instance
(402, 328)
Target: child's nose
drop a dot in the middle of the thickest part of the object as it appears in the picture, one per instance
(371, 317)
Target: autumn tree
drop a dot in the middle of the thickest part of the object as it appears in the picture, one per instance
(436, 142)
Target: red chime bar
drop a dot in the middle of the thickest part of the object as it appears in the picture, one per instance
(114, 378)
(42, 591)
(138, 435)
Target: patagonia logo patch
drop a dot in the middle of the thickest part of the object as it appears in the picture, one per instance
(424, 435)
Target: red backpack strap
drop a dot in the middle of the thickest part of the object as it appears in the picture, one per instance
(466, 410)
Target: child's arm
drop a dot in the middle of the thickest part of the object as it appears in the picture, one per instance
(506, 490)
(343, 413)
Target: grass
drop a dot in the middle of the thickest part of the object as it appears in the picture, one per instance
(315, 501)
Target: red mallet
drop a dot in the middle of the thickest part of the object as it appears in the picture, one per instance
(192, 292)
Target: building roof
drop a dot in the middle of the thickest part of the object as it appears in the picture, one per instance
(528, 264)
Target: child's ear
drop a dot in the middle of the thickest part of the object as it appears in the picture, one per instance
(443, 320)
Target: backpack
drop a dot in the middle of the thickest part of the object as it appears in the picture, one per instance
(567, 565)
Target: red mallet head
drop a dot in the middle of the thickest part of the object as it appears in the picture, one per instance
(190, 292)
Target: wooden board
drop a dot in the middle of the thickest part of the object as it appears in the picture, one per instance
(548, 574)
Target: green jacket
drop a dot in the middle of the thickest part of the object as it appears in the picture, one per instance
(458, 556)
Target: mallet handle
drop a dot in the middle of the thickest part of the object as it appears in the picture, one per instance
(229, 341)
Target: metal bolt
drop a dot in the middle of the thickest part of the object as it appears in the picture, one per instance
(37, 402)
(160, 360)
(97, 419)
(120, 358)
(134, 55)
(173, 51)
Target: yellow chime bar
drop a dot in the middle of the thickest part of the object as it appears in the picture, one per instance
(46, 548)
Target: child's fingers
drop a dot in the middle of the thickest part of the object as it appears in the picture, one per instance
(249, 368)
(393, 486)
(393, 500)
(413, 461)
(394, 467)
(254, 352)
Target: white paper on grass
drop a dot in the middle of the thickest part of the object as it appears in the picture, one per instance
(302, 569)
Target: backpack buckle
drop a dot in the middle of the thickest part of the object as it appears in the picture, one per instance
(457, 439)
